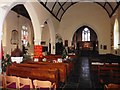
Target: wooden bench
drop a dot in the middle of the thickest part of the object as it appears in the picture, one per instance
(112, 86)
(34, 73)
(111, 71)
(62, 67)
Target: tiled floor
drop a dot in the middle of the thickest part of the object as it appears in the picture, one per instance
(80, 78)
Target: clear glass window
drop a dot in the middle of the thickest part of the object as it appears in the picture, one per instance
(86, 34)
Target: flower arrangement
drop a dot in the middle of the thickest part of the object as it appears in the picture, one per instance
(5, 62)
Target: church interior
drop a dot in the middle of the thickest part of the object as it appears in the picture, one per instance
(60, 44)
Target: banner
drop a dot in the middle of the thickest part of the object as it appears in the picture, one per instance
(38, 51)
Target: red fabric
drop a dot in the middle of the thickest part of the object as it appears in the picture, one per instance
(26, 87)
(12, 85)
(38, 51)
(1, 51)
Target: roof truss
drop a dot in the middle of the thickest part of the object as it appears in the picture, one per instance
(58, 7)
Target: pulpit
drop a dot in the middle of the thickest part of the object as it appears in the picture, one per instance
(17, 52)
(17, 55)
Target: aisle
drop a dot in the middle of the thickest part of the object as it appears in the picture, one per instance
(80, 78)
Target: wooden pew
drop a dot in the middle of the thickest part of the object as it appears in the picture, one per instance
(67, 67)
(111, 71)
(62, 67)
(69, 64)
(34, 73)
(112, 86)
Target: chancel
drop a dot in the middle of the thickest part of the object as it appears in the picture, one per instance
(60, 44)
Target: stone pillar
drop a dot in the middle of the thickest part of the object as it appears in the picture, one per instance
(0, 53)
(37, 42)
(2, 12)
(52, 48)
(52, 35)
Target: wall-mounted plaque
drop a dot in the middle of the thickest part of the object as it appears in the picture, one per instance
(14, 37)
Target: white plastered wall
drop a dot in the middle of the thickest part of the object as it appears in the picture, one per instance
(89, 14)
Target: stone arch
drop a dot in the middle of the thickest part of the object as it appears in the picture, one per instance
(52, 35)
(35, 21)
(32, 13)
(78, 42)
(5, 8)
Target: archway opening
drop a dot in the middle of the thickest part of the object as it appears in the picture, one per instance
(19, 32)
(116, 34)
(45, 39)
(59, 45)
(85, 41)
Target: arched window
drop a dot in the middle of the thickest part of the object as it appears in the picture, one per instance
(24, 35)
(116, 34)
(86, 34)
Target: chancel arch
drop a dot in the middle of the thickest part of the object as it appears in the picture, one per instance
(85, 39)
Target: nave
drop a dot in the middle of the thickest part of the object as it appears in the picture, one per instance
(85, 74)
(80, 77)
(100, 72)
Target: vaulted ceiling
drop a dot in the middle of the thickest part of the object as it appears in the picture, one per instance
(58, 7)
(20, 9)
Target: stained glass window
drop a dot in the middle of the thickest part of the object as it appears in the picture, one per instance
(24, 35)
